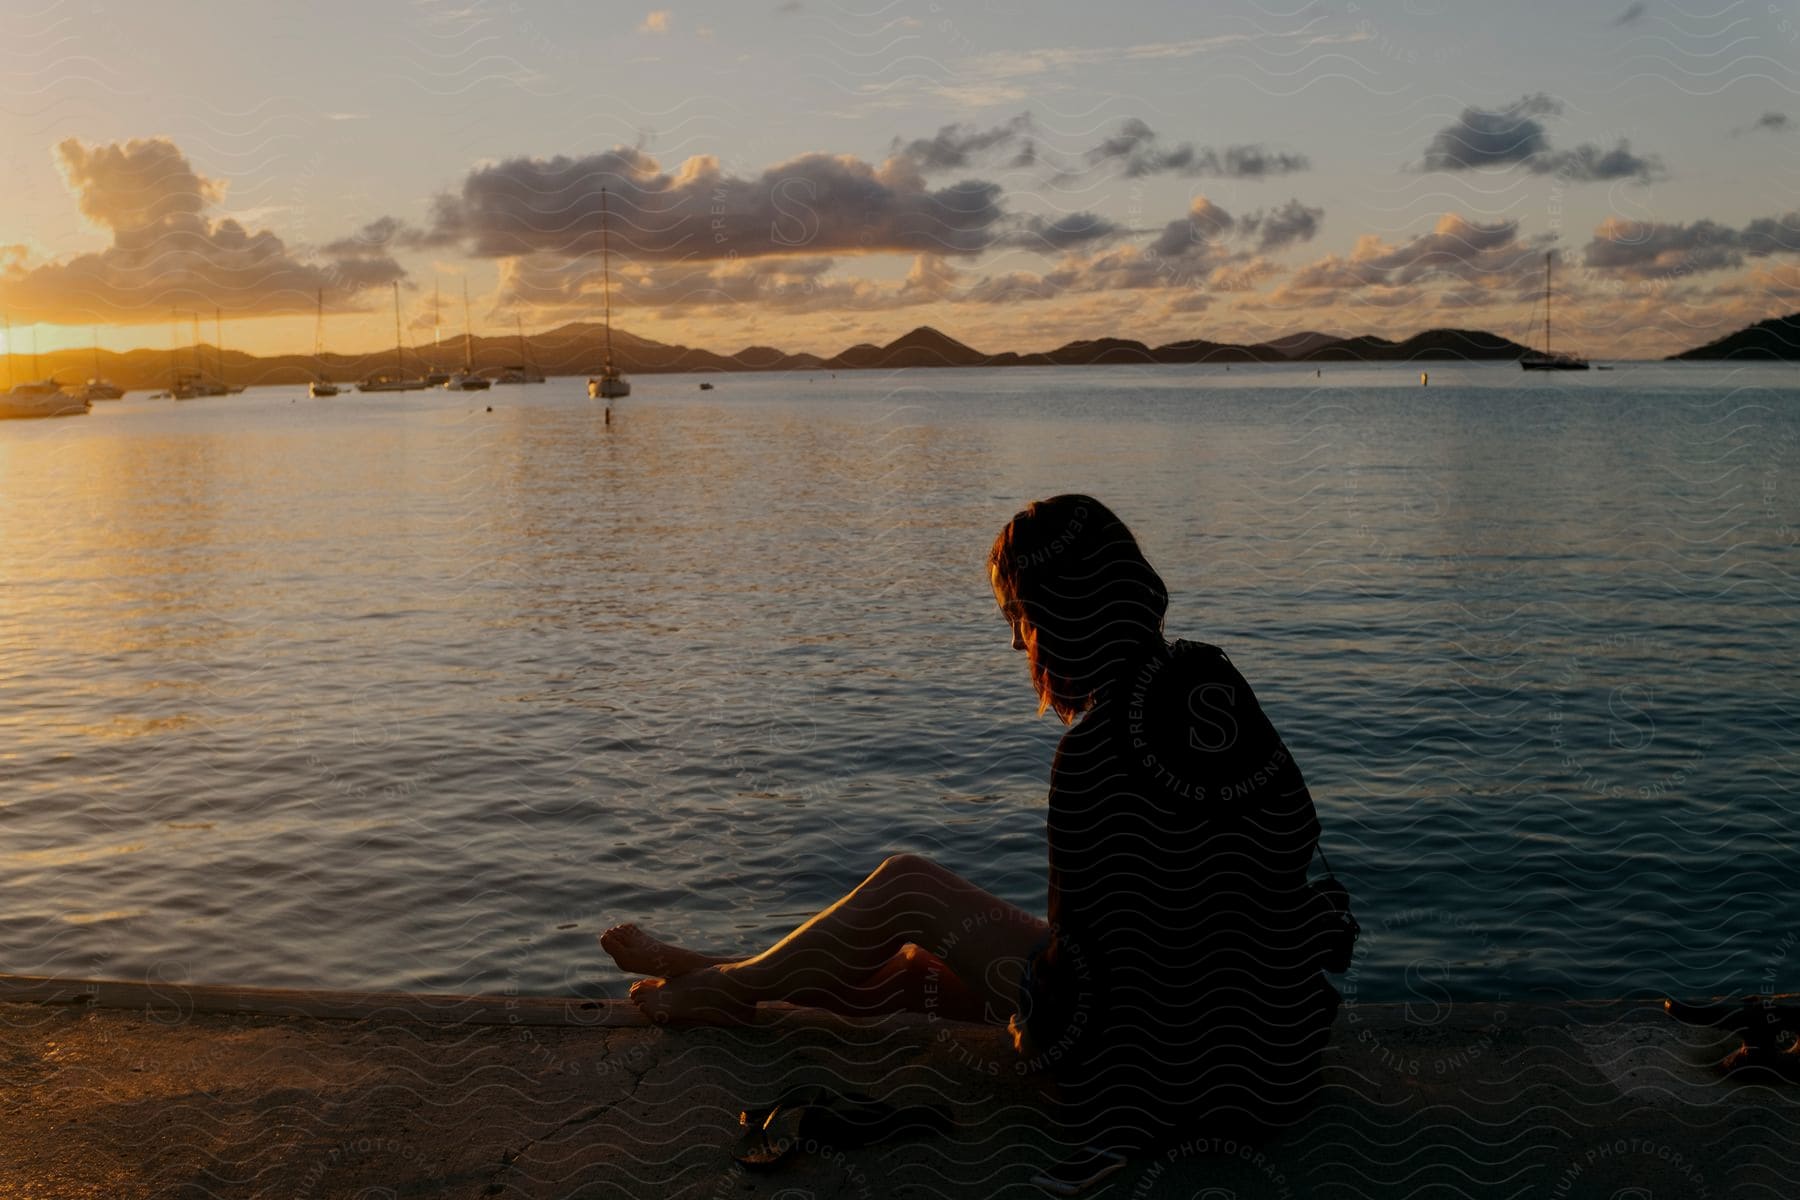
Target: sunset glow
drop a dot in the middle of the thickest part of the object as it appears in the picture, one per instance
(1219, 175)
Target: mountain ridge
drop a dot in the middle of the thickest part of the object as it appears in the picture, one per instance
(1776, 339)
(574, 349)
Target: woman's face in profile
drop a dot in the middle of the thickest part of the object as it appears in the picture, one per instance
(1012, 618)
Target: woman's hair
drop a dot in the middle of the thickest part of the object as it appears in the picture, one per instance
(1087, 601)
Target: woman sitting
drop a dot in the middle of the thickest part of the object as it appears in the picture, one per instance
(1172, 989)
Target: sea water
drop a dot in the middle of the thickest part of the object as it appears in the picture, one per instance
(398, 692)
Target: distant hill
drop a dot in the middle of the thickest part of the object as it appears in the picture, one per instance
(1298, 345)
(576, 350)
(923, 347)
(1778, 338)
(1433, 345)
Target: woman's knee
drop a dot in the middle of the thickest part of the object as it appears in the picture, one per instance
(906, 864)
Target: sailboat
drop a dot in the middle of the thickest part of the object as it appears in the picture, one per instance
(435, 375)
(320, 385)
(466, 380)
(397, 380)
(1532, 360)
(97, 388)
(190, 385)
(609, 385)
(42, 398)
(522, 372)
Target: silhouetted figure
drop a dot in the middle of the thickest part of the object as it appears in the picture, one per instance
(1173, 990)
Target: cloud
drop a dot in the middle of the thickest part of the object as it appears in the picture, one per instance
(1137, 151)
(1514, 135)
(1196, 233)
(956, 147)
(1588, 163)
(812, 204)
(655, 21)
(1632, 14)
(1207, 249)
(168, 250)
(1065, 232)
(1659, 250)
(932, 277)
(1292, 222)
(1489, 256)
(784, 285)
(1769, 122)
(1016, 287)
(1206, 224)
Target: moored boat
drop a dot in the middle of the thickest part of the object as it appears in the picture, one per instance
(463, 381)
(320, 386)
(396, 380)
(188, 386)
(466, 380)
(387, 381)
(609, 384)
(521, 371)
(42, 398)
(1546, 359)
(96, 389)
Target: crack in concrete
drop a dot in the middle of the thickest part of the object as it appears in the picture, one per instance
(510, 1158)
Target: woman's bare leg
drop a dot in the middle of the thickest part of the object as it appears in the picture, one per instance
(914, 980)
(907, 900)
(637, 953)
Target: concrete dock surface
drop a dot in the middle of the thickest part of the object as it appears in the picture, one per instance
(113, 1091)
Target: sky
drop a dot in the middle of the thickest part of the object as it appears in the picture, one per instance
(811, 174)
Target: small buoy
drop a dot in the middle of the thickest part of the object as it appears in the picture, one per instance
(490, 408)
(1424, 379)
(609, 414)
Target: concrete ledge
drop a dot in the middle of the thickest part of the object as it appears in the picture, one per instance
(122, 1090)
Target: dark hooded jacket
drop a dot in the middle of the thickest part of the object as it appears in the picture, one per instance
(1177, 994)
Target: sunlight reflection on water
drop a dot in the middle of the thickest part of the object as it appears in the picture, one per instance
(386, 693)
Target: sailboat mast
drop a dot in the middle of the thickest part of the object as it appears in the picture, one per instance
(519, 328)
(437, 321)
(96, 352)
(1546, 304)
(606, 277)
(468, 334)
(219, 343)
(399, 359)
(199, 363)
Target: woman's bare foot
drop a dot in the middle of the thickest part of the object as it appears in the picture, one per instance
(702, 997)
(637, 953)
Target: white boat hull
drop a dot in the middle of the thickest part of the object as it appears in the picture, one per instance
(31, 403)
(392, 385)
